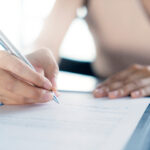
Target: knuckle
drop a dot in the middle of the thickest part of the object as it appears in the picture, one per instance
(115, 85)
(128, 80)
(126, 88)
(136, 83)
(136, 67)
(131, 86)
(147, 69)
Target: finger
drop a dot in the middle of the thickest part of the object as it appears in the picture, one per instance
(115, 82)
(126, 73)
(124, 91)
(115, 85)
(9, 83)
(51, 72)
(5, 100)
(100, 92)
(130, 87)
(112, 89)
(16, 66)
(16, 101)
(12, 99)
(50, 66)
(121, 76)
(54, 84)
(136, 76)
(141, 92)
(103, 91)
(52, 79)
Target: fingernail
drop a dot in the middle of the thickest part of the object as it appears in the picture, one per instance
(47, 84)
(114, 94)
(135, 94)
(99, 92)
(47, 96)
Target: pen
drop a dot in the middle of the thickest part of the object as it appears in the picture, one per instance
(8, 46)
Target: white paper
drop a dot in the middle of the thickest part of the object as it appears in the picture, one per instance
(78, 123)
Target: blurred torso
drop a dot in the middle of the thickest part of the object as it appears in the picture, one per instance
(122, 34)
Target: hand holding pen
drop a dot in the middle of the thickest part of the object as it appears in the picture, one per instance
(19, 82)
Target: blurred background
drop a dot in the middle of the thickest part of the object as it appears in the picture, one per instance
(22, 20)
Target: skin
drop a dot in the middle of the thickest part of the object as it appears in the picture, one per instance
(121, 30)
(133, 81)
(146, 6)
(22, 85)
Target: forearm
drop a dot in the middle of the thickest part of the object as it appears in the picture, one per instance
(146, 6)
(57, 24)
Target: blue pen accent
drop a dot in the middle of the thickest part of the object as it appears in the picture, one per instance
(1, 104)
(8, 46)
(55, 99)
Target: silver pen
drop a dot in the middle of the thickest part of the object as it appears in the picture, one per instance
(9, 47)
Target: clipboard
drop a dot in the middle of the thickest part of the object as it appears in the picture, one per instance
(140, 139)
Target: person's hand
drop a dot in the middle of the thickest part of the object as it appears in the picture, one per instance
(19, 84)
(45, 63)
(134, 81)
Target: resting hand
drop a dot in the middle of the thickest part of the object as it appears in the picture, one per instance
(134, 81)
(19, 84)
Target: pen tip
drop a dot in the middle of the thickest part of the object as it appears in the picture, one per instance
(55, 99)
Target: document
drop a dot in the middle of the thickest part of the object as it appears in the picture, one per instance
(79, 122)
